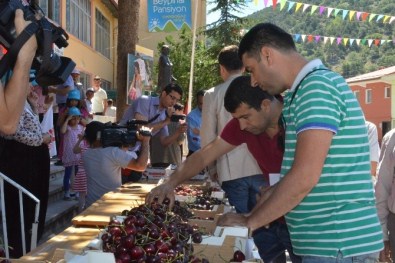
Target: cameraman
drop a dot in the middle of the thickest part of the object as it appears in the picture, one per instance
(103, 165)
(13, 94)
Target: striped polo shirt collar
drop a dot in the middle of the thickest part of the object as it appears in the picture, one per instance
(305, 70)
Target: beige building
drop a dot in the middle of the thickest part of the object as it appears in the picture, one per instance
(92, 28)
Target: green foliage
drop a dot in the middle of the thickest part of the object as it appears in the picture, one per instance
(349, 61)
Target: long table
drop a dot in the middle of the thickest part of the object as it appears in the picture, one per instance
(88, 224)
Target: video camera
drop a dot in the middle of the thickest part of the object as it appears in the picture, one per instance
(51, 69)
(117, 135)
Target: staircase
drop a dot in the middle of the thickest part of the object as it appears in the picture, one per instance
(59, 212)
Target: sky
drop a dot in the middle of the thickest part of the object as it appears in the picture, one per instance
(249, 9)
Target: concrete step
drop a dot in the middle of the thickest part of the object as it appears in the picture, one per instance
(55, 190)
(58, 218)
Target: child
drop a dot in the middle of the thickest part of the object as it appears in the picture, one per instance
(80, 184)
(73, 100)
(70, 130)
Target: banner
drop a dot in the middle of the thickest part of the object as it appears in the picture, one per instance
(169, 15)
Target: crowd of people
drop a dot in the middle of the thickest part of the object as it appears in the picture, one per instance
(303, 123)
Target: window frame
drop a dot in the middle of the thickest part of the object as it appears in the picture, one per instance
(368, 96)
(102, 34)
(79, 19)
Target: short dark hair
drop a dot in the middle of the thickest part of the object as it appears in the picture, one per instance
(200, 93)
(228, 58)
(240, 91)
(173, 87)
(91, 131)
(265, 34)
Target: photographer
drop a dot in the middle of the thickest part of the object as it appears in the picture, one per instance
(13, 94)
(103, 165)
(159, 112)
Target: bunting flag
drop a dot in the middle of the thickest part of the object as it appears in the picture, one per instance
(345, 41)
(329, 11)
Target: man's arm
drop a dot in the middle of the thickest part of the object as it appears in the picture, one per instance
(189, 168)
(105, 105)
(311, 151)
(13, 95)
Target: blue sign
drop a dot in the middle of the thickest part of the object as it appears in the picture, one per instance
(169, 15)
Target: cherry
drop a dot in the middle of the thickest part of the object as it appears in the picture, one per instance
(197, 237)
(149, 249)
(115, 231)
(114, 222)
(124, 257)
(130, 220)
(137, 252)
(130, 230)
(238, 256)
(128, 241)
(105, 237)
(161, 246)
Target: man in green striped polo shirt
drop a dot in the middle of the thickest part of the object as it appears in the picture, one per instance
(325, 192)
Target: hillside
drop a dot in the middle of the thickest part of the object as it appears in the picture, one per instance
(347, 60)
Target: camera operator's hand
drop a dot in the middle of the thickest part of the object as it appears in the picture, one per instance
(143, 134)
(182, 128)
(28, 50)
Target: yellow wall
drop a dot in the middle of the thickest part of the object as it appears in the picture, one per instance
(90, 61)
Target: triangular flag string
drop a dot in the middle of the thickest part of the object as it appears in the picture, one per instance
(330, 11)
(345, 41)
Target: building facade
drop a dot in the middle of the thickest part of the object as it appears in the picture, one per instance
(92, 29)
(375, 92)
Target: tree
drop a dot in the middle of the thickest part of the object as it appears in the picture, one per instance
(228, 28)
(128, 22)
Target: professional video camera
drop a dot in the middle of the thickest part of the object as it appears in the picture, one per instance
(117, 135)
(51, 69)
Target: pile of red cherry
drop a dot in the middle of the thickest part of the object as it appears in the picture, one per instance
(151, 234)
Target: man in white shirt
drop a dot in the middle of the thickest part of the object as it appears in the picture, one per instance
(99, 100)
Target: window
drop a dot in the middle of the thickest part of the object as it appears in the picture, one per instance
(85, 79)
(387, 92)
(106, 85)
(102, 31)
(78, 16)
(51, 9)
(368, 98)
(356, 94)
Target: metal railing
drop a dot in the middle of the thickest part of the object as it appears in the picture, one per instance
(22, 191)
